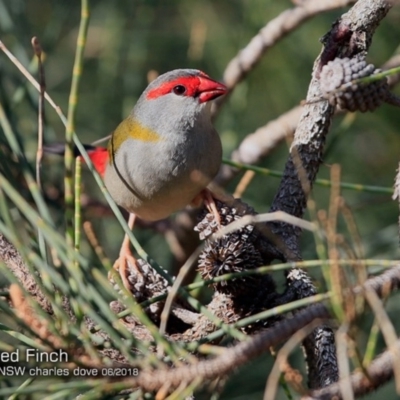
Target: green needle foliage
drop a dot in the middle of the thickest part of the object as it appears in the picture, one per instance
(96, 58)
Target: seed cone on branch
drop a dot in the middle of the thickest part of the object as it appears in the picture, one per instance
(242, 250)
(238, 251)
(338, 80)
(145, 284)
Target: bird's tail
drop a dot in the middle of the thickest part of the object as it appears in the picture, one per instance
(98, 155)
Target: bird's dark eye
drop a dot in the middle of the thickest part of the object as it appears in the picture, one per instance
(179, 90)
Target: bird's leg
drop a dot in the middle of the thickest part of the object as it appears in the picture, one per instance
(206, 196)
(126, 257)
(209, 202)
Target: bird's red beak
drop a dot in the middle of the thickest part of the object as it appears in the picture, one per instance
(210, 89)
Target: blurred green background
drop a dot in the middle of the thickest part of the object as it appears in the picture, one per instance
(128, 39)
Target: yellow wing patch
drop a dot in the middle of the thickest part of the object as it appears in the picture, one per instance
(129, 128)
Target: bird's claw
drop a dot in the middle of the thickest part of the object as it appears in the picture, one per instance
(209, 202)
(122, 265)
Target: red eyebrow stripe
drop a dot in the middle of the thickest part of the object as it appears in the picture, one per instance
(191, 83)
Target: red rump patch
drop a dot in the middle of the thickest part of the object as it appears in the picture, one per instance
(191, 84)
(99, 157)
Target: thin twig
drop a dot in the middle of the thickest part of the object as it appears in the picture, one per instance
(321, 182)
(89, 163)
(282, 358)
(78, 208)
(343, 362)
(70, 129)
(267, 217)
(39, 154)
(387, 329)
(275, 30)
(259, 144)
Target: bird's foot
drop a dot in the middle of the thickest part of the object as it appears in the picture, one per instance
(123, 264)
(206, 197)
(209, 202)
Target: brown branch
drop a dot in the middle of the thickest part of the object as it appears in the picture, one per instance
(26, 313)
(377, 374)
(319, 346)
(350, 35)
(15, 263)
(242, 353)
(274, 31)
(381, 369)
(233, 357)
(259, 144)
